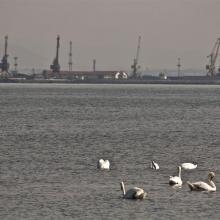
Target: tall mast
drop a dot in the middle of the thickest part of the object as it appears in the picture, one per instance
(6, 45)
(58, 47)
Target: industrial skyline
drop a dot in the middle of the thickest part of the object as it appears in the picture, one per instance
(107, 31)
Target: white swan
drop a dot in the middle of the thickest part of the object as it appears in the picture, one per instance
(176, 180)
(103, 164)
(133, 193)
(154, 165)
(189, 166)
(202, 186)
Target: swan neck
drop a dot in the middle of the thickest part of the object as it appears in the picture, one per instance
(123, 188)
(212, 184)
(179, 172)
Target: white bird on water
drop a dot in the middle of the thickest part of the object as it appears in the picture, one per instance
(189, 166)
(103, 164)
(133, 193)
(176, 180)
(202, 186)
(154, 165)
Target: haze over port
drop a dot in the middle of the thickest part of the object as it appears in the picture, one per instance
(108, 30)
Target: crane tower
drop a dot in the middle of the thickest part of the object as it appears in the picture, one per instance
(4, 65)
(135, 65)
(213, 57)
(55, 66)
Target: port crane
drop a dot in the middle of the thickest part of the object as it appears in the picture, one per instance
(135, 65)
(213, 57)
(55, 67)
(4, 65)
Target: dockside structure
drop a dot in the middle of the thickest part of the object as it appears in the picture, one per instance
(83, 75)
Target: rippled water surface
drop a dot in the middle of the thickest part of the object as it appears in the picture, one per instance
(51, 137)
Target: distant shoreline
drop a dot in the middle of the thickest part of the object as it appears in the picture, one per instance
(205, 81)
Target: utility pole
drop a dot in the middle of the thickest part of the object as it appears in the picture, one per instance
(178, 67)
(15, 65)
(70, 58)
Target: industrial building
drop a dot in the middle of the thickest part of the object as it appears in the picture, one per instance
(84, 75)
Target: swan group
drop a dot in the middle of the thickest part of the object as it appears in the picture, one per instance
(103, 164)
(133, 193)
(176, 181)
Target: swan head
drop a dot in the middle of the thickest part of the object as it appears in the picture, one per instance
(194, 163)
(211, 175)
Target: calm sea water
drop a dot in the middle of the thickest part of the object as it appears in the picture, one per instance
(51, 137)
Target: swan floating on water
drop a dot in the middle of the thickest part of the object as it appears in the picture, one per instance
(202, 186)
(176, 180)
(133, 193)
(154, 165)
(189, 166)
(103, 164)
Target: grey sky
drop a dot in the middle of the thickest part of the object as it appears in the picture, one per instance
(108, 31)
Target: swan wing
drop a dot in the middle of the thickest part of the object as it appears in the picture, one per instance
(130, 194)
(175, 180)
(188, 166)
(107, 163)
(157, 166)
(135, 193)
(140, 194)
(103, 164)
(154, 165)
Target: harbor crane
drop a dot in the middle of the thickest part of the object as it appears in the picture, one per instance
(55, 67)
(213, 57)
(135, 65)
(4, 65)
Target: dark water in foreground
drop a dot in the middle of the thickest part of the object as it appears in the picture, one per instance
(51, 137)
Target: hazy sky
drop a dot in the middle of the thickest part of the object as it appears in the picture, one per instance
(108, 30)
